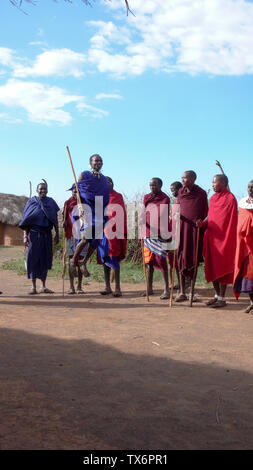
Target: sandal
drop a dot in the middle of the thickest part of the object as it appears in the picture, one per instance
(33, 291)
(117, 294)
(165, 295)
(105, 292)
(211, 301)
(249, 308)
(219, 304)
(45, 290)
(181, 298)
(80, 291)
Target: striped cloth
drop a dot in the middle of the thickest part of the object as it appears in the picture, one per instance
(156, 247)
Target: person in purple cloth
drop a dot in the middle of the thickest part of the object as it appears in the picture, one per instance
(39, 218)
(95, 193)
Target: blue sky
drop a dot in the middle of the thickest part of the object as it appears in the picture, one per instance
(156, 94)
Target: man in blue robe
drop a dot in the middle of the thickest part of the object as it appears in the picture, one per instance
(39, 218)
(95, 193)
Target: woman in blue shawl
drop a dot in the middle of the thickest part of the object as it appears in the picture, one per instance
(95, 193)
(39, 218)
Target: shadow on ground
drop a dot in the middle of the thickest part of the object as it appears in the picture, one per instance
(78, 394)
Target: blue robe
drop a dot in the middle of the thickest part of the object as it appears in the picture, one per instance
(89, 187)
(39, 217)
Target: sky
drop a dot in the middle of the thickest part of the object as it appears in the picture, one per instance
(155, 94)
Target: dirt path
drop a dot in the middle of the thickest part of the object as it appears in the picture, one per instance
(102, 373)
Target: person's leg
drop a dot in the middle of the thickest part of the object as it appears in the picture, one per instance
(33, 288)
(71, 280)
(79, 282)
(107, 275)
(150, 269)
(166, 292)
(250, 306)
(221, 293)
(216, 286)
(44, 289)
(82, 263)
(181, 296)
(117, 292)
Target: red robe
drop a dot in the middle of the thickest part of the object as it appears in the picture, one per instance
(159, 200)
(118, 246)
(220, 238)
(68, 207)
(193, 206)
(161, 217)
(244, 247)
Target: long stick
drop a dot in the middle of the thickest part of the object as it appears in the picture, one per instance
(73, 171)
(64, 252)
(222, 171)
(173, 278)
(144, 269)
(195, 269)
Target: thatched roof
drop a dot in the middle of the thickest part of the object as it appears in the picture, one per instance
(11, 208)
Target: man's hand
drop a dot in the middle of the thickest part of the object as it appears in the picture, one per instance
(56, 239)
(200, 223)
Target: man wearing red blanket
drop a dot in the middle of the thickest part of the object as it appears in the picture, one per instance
(117, 244)
(220, 240)
(193, 206)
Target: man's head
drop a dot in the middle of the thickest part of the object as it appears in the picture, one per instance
(250, 189)
(188, 178)
(42, 190)
(219, 183)
(110, 183)
(155, 185)
(174, 188)
(96, 162)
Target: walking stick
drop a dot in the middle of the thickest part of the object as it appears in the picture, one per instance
(173, 278)
(222, 171)
(195, 269)
(73, 171)
(64, 253)
(144, 269)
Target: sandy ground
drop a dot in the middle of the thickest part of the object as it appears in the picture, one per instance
(89, 372)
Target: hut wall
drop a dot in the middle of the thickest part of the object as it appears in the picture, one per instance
(12, 235)
(1, 233)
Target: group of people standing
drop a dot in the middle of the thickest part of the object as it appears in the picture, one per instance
(211, 230)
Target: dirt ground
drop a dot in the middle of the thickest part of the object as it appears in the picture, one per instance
(89, 372)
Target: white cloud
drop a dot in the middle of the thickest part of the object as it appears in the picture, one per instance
(6, 56)
(106, 96)
(193, 36)
(86, 109)
(56, 62)
(43, 104)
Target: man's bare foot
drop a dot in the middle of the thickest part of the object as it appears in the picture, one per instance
(45, 290)
(144, 294)
(165, 295)
(33, 291)
(249, 309)
(83, 269)
(79, 290)
(71, 291)
(117, 293)
(106, 291)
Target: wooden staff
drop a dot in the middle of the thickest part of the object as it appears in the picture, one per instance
(73, 171)
(64, 252)
(144, 269)
(173, 277)
(195, 269)
(222, 171)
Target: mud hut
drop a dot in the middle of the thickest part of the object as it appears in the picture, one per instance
(11, 210)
